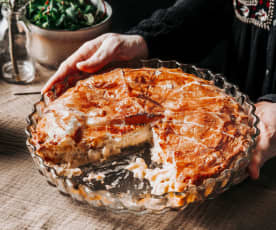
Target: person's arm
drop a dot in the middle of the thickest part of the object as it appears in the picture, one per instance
(268, 97)
(188, 30)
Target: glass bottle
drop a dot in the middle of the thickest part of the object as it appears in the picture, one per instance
(18, 67)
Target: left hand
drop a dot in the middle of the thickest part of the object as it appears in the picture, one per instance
(95, 54)
(266, 141)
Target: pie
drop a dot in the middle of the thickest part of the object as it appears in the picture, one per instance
(196, 131)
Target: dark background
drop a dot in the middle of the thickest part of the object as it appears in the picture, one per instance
(127, 13)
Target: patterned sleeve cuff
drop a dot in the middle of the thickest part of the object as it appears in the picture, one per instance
(268, 97)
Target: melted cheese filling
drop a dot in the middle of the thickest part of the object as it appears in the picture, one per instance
(113, 146)
(162, 180)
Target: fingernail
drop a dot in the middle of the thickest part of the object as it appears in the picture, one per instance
(79, 64)
(45, 88)
(42, 90)
(258, 174)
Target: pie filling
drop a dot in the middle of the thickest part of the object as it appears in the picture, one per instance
(195, 130)
(113, 146)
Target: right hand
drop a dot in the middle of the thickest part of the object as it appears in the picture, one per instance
(95, 54)
(266, 141)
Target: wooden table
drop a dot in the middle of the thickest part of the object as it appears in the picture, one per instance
(28, 202)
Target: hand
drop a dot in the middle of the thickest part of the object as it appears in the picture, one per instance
(97, 53)
(266, 142)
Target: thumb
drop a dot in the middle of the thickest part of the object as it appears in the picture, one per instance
(254, 166)
(254, 171)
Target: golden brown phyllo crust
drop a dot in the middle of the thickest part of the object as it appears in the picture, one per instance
(193, 125)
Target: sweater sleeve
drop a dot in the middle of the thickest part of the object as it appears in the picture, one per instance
(268, 97)
(187, 30)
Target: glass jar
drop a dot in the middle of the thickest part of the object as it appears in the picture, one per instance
(18, 67)
(3, 37)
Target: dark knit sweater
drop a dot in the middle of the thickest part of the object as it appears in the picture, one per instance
(236, 38)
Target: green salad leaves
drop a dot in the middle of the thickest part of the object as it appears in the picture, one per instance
(65, 14)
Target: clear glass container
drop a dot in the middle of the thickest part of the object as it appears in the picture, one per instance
(142, 201)
(18, 67)
(3, 36)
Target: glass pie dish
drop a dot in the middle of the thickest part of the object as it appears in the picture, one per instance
(115, 187)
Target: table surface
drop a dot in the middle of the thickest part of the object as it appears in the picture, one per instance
(28, 202)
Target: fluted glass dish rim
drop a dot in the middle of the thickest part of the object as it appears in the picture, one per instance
(151, 203)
